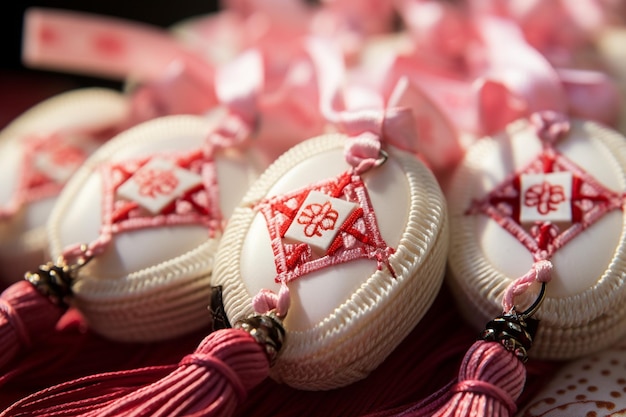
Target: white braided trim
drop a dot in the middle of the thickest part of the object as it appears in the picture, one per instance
(148, 281)
(155, 303)
(570, 326)
(362, 332)
(149, 318)
(108, 106)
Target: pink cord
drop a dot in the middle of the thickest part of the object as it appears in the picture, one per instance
(541, 272)
(266, 300)
(210, 382)
(550, 126)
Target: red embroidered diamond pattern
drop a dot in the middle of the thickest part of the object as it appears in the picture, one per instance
(356, 237)
(47, 163)
(584, 203)
(159, 190)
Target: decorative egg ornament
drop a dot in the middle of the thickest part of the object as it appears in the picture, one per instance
(39, 151)
(355, 259)
(149, 208)
(546, 189)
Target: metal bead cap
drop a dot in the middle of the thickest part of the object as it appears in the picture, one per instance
(267, 330)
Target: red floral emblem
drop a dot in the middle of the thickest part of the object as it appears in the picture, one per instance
(156, 181)
(318, 217)
(64, 155)
(545, 196)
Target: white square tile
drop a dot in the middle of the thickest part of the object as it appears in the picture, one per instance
(157, 184)
(319, 220)
(546, 197)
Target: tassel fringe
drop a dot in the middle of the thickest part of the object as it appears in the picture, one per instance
(490, 380)
(26, 317)
(210, 382)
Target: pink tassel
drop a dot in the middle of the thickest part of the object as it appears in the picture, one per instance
(31, 308)
(26, 317)
(490, 380)
(492, 374)
(210, 382)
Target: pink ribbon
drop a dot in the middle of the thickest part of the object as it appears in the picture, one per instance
(168, 78)
(107, 47)
(493, 76)
(550, 126)
(369, 125)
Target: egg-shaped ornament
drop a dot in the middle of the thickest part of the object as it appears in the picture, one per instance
(39, 152)
(541, 204)
(346, 261)
(144, 214)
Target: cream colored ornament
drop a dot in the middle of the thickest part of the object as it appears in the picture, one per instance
(593, 385)
(148, 208)
(515, 200)
(39, 151)
(353, 300)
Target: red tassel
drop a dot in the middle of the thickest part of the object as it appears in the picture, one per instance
(210, 382)
(26, 317)
(491, 379)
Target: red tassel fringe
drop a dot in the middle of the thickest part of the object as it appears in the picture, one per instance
(26, 317)
(490, 380)
(425, 362)
(210, 382)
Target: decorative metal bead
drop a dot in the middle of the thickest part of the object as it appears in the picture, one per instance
(53, 280)
(267, 330)
(514, 331)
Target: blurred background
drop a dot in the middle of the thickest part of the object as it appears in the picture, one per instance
(21, 87)
(160, 13)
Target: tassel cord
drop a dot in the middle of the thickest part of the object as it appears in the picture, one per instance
(210, 382)
(80, 395)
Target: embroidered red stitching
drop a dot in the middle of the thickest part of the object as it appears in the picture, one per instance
(35, 184)
(318, 217)
(197, 205)
(590, 200)
(358, 236)
(545, 196)
(156, 181)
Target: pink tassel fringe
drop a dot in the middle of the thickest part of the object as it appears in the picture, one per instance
(209, 382)
(26, 317)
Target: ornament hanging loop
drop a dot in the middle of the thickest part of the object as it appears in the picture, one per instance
(383, 157)
(530, 311)
(515, 331)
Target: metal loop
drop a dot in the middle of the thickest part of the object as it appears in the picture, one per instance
(535, 306)
(384, 156)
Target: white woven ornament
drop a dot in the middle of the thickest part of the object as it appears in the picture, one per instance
(360, 257)
(517, 199)
(39, 151)
(148, 208)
